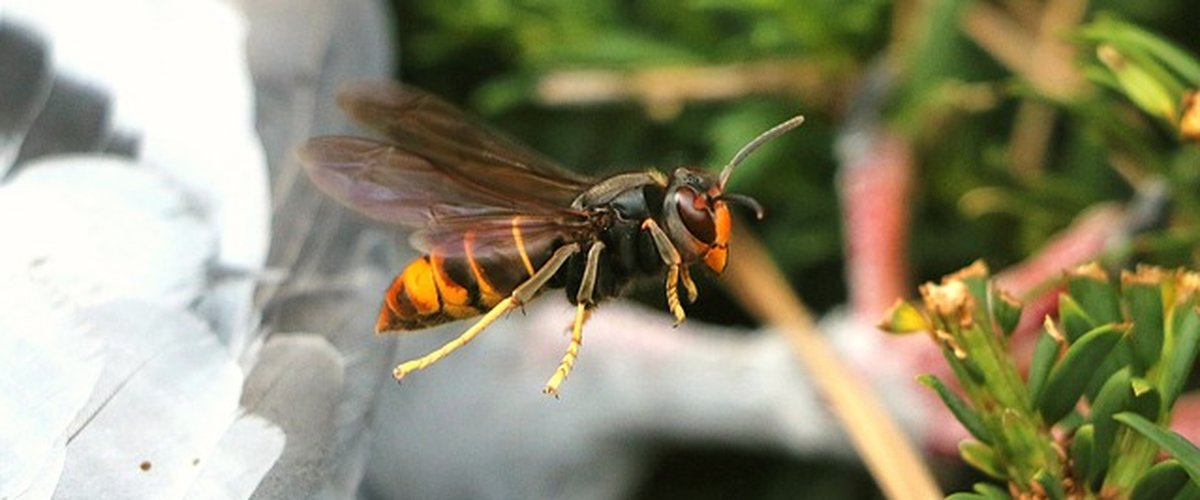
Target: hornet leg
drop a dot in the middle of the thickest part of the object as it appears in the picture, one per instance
(670, 257)
(583, 309)
(519, 296)
(685, 276)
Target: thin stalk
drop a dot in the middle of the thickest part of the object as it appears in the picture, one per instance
(758, 284)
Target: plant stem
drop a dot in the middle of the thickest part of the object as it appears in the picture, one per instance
(758, 284)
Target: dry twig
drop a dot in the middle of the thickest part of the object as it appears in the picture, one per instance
(760, 287)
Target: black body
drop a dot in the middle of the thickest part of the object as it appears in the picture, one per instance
(629, 251)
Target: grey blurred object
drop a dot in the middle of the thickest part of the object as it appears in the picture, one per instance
(74, 119)
(334, 264)
(24, 86)
(298, 385)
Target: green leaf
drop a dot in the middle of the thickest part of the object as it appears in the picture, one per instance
(1119, 358)
(1044, 356)
(1071, 422)
(981, 457)
(1088, 463)
(966, 369)
(1177, 446)
(1069, 379)
(1052, 485)
(991, 491)
(1097, 297)
(1006, 310)
(1146, 335)
(1141, 81)
(961, 410)
(967, 496)
(976, 280)
(1185, 338)
(1165, 480)
(1114, 397)
(1133, 37)
(1026, 448)
(1147, 401)
(1075, 322)
(1190, 491)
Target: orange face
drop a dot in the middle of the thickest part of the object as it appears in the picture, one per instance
(718, 252)
(707, 223)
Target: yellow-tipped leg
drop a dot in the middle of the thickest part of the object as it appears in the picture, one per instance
(670, 257)
(673, 294)
(583, 301)
(582, 313)
(686, 277)
(421, 363)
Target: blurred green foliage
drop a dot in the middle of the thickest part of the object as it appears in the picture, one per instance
(953, 98)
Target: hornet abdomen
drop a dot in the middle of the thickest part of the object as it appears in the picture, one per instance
(436, 289)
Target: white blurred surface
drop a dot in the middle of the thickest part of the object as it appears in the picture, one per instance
(128, 347)
(177, 74)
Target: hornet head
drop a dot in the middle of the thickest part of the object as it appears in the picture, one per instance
(696, 212)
